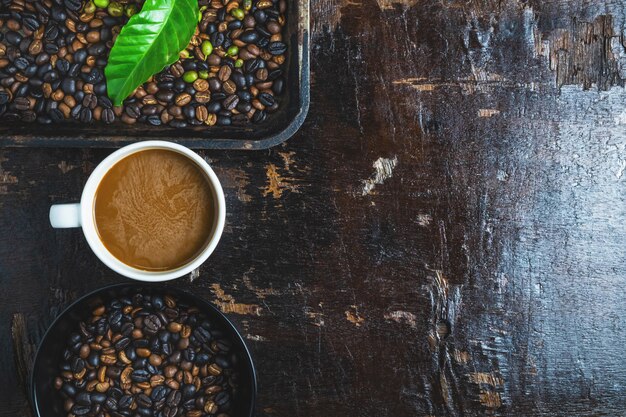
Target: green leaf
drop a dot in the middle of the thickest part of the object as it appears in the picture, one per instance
(151, 40)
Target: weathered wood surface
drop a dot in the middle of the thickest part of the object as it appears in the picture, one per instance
(446, 235)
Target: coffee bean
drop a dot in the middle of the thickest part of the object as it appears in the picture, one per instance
(266, 99)
(13, 38)
(73, 5)
(68, 85)
(133, 111)
(143, 400)
(108, 116)
(21, 103)
(111, 404)
(173, 398)
(224, 73)
(229, 87)
(81, 410)
(4, 97)
(201, 85)
(249, 36)
(90, 101)
(230, 102)
(277, 48)
(125, 402)
(98, 398)
(183, 99)
(152, 322)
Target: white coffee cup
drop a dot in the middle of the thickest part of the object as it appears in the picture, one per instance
(82, 214)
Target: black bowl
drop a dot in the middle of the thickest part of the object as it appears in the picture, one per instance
(47, 401)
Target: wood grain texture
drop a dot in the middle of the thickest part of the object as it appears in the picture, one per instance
(444, 237)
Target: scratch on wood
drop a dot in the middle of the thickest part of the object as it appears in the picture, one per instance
(259, 292)
(318, 318)
(65, 167)
(193, 275)
(445, 392)
(587, 55)
(276, 184)
(400, 316)
(353, 316)
(620, 171)
(227, 303)
(287, 158)
(432, 341)
(419, 84)
(461, 356)
(490, 399)
(389, 4)
(236, 179)
(486, 378)
(23, 348)
(488, 112)
(256, 337)
(383, 170)
(442, 284)
(5, 177)
(481, 81)
(424, 219)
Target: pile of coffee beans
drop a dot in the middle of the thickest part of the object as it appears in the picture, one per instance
(53, 54)
(147, 356)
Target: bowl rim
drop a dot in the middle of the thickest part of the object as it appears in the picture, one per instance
(159, 286)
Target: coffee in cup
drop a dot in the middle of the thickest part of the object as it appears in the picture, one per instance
(151, 211)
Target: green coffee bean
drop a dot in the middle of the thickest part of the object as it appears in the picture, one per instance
(237, 14)
(232, 50)
(115, 9)
(207, 48)
(103, 4)
(190, 76)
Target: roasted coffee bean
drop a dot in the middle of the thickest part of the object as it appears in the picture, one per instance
(154, 120)
(133, 111)
(21, 103)
(21, 63)
(68, 85)
(229, 87)
(13, 38)
(4, 97)
(266, 99)
(81, 410)
(174, 398)
(108, 116)
(224, 121)
(73, 5)
(249, 36)
(111, 404)
(190, 113)
(230, 102)
(183, 99)
(277, 48)
(259, 116)
(165, 96)
(125, 402)
(152, 322)
(91, 101)
(143, 400)
(98, 398)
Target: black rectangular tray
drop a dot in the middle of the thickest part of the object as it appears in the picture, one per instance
(279, 127)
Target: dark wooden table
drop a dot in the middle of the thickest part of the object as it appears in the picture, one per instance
(445, 236)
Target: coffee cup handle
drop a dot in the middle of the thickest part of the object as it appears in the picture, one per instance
(63, 216)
